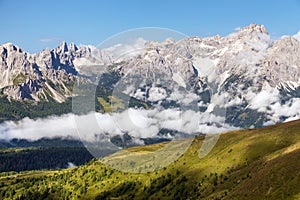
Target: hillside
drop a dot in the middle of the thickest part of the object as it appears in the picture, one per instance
(246, 164)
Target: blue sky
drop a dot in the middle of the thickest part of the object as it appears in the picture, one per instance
(36, 24)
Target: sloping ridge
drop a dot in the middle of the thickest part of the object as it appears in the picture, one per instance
(246, 164)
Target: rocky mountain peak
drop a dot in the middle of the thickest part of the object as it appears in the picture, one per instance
(38, 76)
(288, 40)
(255, 28)
(62, 48)
(9, 47)
(72, 47)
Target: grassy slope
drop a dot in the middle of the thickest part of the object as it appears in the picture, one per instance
(248, 164)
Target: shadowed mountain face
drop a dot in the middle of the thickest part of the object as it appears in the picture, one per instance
(248, 164)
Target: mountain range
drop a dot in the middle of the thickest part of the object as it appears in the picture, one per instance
(248, 77)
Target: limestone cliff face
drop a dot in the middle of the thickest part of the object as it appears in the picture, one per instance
(48, 73)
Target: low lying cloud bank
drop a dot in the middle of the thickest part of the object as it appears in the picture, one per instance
(138, 123)
(34, 129)
(268, 101)
(141, 123)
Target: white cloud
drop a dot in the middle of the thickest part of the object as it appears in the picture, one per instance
(263, 99)
(96, 126)
(70, 165)
(35, 129)
(268, 101)
(120, 51)
(237, 28)
(156, 94)
(292, 118)
(290, 109)
(269, 123)
(297, 36)
(47, 40)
